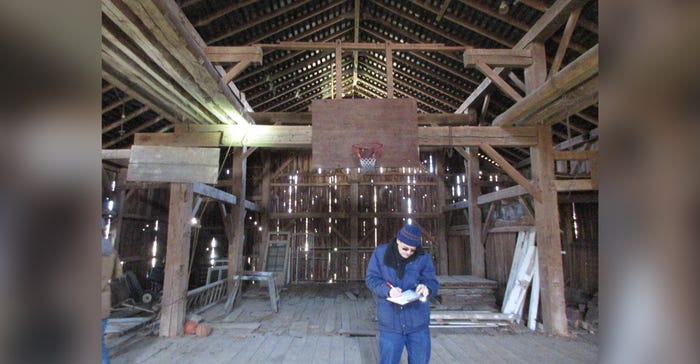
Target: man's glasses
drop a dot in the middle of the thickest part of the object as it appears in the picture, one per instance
(405, 248)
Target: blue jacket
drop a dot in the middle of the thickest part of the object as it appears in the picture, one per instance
(395, 318)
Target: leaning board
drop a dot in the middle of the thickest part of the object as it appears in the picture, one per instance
(338, 124)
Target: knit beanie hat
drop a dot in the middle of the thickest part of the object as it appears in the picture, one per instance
(410, 235)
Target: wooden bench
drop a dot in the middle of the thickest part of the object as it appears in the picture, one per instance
(253, 276)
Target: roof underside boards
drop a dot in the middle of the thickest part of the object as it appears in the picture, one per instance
(288, 80)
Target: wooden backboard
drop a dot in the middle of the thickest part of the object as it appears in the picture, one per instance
(338, 124)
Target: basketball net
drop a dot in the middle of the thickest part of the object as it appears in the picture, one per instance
(367, 154)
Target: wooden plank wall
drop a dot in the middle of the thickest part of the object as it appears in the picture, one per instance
(580, 262)
(581, 258)
(310, 195)
(136, 235)
(499, 257)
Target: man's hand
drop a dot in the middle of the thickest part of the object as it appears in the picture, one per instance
(395, 292)
(421, 289)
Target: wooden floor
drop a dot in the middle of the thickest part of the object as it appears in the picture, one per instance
(324, 323)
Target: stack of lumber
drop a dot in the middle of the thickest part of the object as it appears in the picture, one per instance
(467, 293)
(470, 319)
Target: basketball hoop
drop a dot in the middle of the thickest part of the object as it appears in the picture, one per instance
(367, 153)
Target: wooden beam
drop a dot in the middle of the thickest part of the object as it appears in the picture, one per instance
(160, 27)
(548, 236)
(570, 77)
(442, 223)
(501, 83)
(113, 105)
(568, 104)
(564, 44)
(125, 119)
(283, 136)
(474, 136)
(238, 213)
(476, 248)
(207, 139)
(217, 194)
(516, 80)
(232, 31)
(389, 71)
(509, 19)
(498, 57)
(219, 13)
(176, 278)
(443, 9)
(511, 171)
(338, 70)
(145, 125)
(353, 46)
(509, 192)
(574, 154)
(545, 26)
(111, 154)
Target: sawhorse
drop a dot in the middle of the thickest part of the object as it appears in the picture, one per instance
(253, 276)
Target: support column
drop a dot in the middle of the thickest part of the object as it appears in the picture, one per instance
(548, 237)
(546, 211)
(476, 248)
(238, 213)
(265, 202)
(176, 277)
(354, 227)
(442, 224)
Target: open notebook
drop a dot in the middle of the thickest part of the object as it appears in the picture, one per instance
(407, 296)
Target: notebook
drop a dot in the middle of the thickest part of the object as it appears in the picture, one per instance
(407, 296)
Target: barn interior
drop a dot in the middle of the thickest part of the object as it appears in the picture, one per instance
(255, 153)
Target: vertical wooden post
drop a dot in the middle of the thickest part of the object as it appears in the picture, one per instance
(442, 267)
(265, 202)
(354, 226)
(389, 72)
(476, 247)
(338, 71)
(176, 277)
(547, 210)
(548, 237)
(238, 212)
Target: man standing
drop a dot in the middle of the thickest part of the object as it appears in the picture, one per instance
(398, 265)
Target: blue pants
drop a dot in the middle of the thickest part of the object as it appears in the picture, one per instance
(105, 352)
(417, 344)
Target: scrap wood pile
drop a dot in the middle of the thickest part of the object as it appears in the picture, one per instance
(467, 293)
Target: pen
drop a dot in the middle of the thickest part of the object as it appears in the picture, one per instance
(389, 284)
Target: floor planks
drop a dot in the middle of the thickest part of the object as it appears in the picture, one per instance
(312, 325)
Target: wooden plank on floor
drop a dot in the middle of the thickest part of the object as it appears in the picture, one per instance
(369, 351)
(266, 348)
(299, 328)
(247, 354)
(352, 351)
(329, 311)
(298, 351)
(280, 350)
(323, 353)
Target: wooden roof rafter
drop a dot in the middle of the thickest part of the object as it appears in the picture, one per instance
(431, 28)
(405, 79)
(257, 21)
(289, 57)
(545, 26)
(342, 16)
